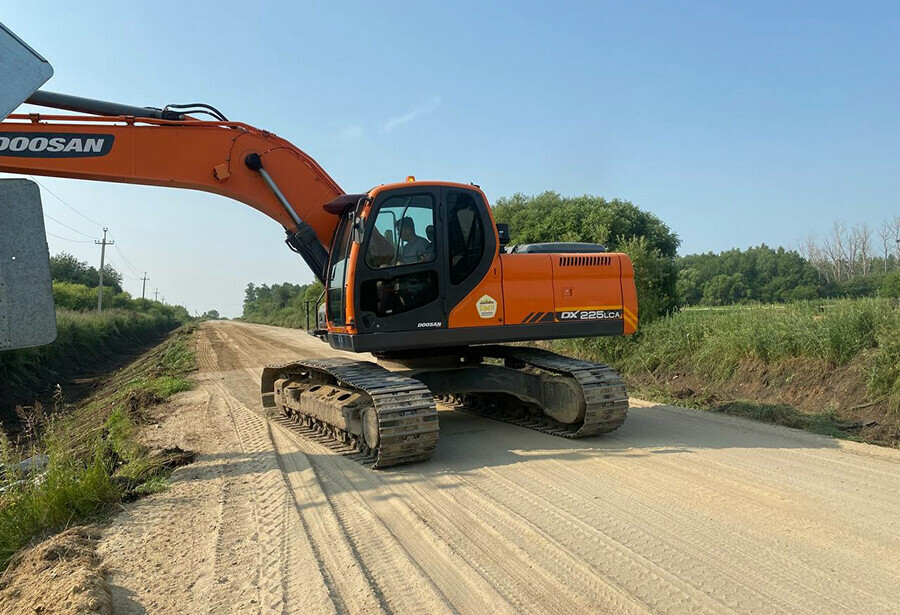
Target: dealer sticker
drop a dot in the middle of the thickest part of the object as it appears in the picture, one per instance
(487, 307)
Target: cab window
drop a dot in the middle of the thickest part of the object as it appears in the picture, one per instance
(337, 273)
(465, 234)
(403, 233)
(402, 293)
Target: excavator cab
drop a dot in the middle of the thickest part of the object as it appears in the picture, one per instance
(403, 257)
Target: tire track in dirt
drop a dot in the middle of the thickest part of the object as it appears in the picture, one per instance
(785, 519)
(263, 522)
(542, 553)
(670, 542)
(345, 574)
(651, 574)
(396, 581)
(451, 575)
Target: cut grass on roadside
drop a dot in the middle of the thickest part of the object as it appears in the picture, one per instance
(92, 458)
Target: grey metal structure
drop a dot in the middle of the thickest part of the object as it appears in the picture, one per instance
(55, 100)
(27, 314)
(22, 71)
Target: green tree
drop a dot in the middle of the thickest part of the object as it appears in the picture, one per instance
(281, 304)
(767, 275)
(890, 285)
(725, 290)
(654, 277)
(65, 267)
(690, 286)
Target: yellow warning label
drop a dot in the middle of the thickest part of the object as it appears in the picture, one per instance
(487, 307)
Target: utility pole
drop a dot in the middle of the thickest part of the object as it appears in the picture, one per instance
(102, 245)
(144, 285)
(156, 294)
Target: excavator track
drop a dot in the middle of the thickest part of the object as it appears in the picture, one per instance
(605, 396)
(407, 421)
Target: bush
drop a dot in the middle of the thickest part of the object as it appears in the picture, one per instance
(890, 285)
(654, 278)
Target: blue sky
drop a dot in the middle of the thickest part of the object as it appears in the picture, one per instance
(736, 123)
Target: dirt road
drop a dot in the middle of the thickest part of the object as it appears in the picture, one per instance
(676, 512)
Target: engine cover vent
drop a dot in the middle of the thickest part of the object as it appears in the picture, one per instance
(584, 261)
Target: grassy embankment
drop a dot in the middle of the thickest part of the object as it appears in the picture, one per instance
(85, 340)
(93, 460)
(84, 337)
(832, 367)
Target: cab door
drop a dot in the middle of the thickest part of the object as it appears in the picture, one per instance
(471, 242)
(401, 267)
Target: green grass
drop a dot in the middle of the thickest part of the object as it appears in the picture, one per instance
(94, 460)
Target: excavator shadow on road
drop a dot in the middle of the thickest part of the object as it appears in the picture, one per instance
(470, 442)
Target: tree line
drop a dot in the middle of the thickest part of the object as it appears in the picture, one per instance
(284, 305)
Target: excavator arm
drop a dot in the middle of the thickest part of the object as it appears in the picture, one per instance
(232, 159)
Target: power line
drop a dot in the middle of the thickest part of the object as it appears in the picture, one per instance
(92, 221)
(49, 217)
(58, 198)
(133, 270)
(67, 239)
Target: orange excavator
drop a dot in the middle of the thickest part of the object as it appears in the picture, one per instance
(417, 273)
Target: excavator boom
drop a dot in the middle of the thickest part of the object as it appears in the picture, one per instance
(193, 154)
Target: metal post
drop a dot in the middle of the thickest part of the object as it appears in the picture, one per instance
(102, 245)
